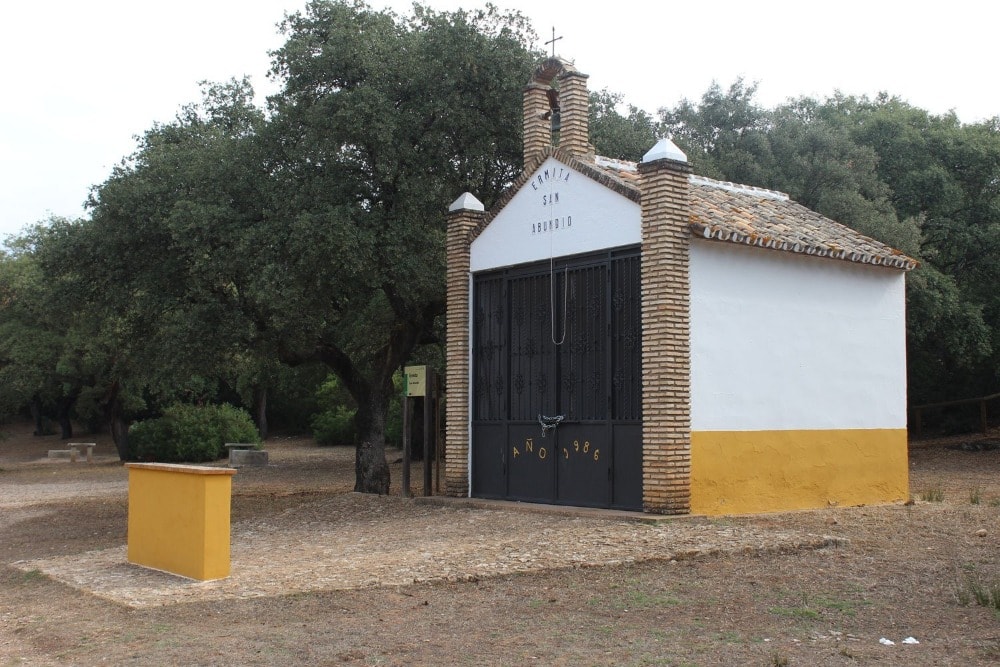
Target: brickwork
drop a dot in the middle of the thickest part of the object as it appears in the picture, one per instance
(461, 223)
(574, 137)
(574, 103)
(537, 130)
(666, 333)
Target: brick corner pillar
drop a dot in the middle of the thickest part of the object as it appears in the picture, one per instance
(574, 102)
(666, 330)
(464, 215)
(537, 130)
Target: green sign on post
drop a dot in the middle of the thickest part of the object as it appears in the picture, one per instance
(415, 381)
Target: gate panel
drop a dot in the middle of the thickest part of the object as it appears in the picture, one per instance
(531, 464)
(626, 383)
(489, 396)
(584, 465)
(627, 467)
(532, 353)
(626, 340)
(489, 463)
(489, 350)
(583, 353)
(563, 342)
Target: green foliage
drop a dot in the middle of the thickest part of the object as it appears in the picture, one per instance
(335, 423)
(724, 135)
(292, 398)
(190, 433)
(622, 137)
(42, 359)
(335, 426)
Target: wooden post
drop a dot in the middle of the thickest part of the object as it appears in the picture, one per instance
(982, 416)
(431, 381)
(438, 440)
(406, 447)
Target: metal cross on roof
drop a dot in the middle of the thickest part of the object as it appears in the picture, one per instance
(553, 41)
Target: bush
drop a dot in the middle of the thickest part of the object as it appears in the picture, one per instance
(334, 427)
(190, 433)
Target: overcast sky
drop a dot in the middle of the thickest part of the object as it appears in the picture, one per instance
(82, 79)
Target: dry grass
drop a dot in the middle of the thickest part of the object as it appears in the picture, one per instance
(902, 575)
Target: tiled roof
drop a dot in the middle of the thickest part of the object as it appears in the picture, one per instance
(747, 215)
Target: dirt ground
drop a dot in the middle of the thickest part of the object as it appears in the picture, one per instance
(803, 588)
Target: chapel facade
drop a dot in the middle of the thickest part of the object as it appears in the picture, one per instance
(634, 336)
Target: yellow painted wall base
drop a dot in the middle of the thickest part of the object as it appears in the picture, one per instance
(742, 472)
(178, 518)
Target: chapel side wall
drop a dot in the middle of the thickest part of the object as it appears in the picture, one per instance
(798, 381)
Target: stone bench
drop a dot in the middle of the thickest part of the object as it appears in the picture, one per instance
(74, 448)
(74, 451)
(246, 453)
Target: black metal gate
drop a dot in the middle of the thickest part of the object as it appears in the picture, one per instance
(559, 347)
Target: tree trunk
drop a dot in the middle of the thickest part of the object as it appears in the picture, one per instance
(260, 410)
(372, 393)
(65, 425)
(37, 417)
(65, 407)
(116, 422)
(370, 467)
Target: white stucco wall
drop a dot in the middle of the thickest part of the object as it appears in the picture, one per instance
(559, 212)
(780, 341)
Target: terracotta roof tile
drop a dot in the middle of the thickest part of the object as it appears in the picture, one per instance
(748, 215)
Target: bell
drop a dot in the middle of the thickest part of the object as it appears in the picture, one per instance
(556, 121)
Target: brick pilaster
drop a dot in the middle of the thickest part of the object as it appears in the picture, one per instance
(574, 101)
(537, 130)
(666, 331)
(464, 215)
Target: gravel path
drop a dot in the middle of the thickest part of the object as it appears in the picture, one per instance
(351, 541)
(24, 495)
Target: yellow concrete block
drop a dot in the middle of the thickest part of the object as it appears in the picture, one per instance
(178, 518)
(743, 472)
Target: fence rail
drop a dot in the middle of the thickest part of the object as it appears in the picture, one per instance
(917, 411)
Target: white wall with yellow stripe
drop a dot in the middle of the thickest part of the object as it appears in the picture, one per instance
(798, 381)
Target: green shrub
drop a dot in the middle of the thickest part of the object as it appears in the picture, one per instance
(190, 433)
(334, 427)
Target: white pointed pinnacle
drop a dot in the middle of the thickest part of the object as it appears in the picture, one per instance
(467, 202)
(665, 150)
